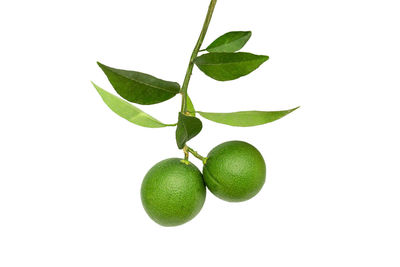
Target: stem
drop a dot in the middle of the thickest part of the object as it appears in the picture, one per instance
(194, 55)
(186, 152)
(197, 155)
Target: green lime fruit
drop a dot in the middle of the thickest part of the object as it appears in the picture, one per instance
(173, 192)
(234, 171)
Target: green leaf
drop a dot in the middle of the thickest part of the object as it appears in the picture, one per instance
(229, 66)
(128, 111)
(138, 87)
(188, 127)
(246, 118)
(229, 42)
(190, 107)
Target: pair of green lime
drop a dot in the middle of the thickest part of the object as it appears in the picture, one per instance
(173, 191)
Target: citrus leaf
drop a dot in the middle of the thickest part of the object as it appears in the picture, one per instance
(128, 111)
(246, 118)
(229, 42)
(229, 66)
(190, 107)
(188, 127)
(139, 87)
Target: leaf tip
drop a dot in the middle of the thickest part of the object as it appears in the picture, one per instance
(291, 110)
(99, 90)
(95, 86)
(102, 66)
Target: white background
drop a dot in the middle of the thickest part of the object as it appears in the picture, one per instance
(71, 170)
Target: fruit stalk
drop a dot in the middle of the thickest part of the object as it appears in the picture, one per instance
(197, 155)
(194, 55)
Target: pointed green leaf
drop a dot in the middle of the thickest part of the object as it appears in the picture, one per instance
(229, 42)
(188, 127)
(128, 111)
(190, 107)
(138, 87)
(229, 66)
(246, 118)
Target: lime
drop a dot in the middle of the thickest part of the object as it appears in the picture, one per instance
(234, 171)
(173, 192)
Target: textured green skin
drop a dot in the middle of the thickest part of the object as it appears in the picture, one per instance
(173, 192)
(235, 171)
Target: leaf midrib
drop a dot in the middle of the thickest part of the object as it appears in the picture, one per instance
(227, 43)
(104, 95)
(228, 63)
(141, 82)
